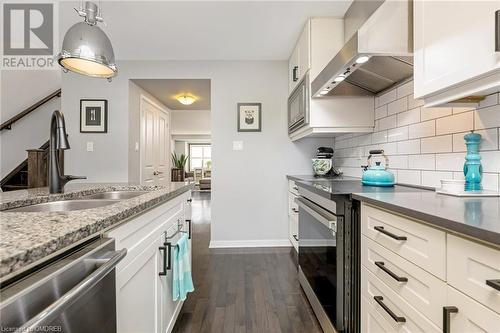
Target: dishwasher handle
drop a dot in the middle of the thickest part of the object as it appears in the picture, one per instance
(72, 295)
(322, 215)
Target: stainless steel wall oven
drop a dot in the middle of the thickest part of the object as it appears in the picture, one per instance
(329, 260)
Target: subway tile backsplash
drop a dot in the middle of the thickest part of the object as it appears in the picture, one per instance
(425, 145)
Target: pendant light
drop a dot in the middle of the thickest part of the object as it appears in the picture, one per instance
(86, 49)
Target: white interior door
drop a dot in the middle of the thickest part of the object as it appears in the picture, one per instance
(162, 148)
(155, 143)
(147, 143)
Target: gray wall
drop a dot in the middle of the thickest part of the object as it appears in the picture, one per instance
(249, 199)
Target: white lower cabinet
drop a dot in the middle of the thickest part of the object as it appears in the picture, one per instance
(144, 297)
(402, 291)
(293, 215)
(471, 317)
(139, 290)
(416, 286)
(371, 320)
(399, 314)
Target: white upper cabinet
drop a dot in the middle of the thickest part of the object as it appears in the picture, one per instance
(455, 53)
(304, 49)
(318, 42)
(293, 70)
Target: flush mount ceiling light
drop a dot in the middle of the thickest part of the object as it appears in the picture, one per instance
(186, 99)
(86, 49)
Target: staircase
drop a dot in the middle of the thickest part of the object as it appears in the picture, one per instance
(19, 178)
(33, 171)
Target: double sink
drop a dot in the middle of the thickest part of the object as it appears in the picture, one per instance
(95, 200)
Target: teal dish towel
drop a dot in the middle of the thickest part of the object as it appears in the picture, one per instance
(182, 280)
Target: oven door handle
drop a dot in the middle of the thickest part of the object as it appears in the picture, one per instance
(74, 293)
(323, 216)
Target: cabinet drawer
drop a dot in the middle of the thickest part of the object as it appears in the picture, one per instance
(293, 188)
(293, 232)
(470, 265)
(293, 208)
(471, 316)
(422, 245)
(421, 289)
(371, 320)
(410, 320)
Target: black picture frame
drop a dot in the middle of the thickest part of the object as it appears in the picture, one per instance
(241, 109)
(98, 124)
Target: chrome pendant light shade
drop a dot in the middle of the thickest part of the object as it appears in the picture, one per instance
(86, 49)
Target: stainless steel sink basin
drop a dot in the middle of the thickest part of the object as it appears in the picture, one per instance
(63, 206)
(115, 195)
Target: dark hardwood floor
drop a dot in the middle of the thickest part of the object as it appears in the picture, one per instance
(242, 290)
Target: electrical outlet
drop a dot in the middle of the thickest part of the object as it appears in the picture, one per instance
(90, 146)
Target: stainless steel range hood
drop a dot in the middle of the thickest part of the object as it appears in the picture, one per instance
(378, 52)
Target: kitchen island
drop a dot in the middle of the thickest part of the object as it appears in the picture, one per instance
(29, 238)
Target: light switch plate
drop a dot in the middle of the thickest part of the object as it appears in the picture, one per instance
(90, 146)
(137, 146)
(237, 145)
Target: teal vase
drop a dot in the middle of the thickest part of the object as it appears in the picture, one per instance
(472, 168)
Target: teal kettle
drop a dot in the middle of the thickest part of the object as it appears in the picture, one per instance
(377, 175)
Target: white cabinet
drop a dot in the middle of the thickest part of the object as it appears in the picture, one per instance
(456, 298)
(470, 266)
(304, 49)
(293, 215)
(293, 70)
(138, 287)
(418, 243)
(319, 41)
(144, 297)
(454, 50)
(471, 317)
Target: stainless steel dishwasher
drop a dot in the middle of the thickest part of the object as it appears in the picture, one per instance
(75, 293)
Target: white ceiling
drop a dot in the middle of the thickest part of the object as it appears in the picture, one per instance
(205, 30)
(166, 91)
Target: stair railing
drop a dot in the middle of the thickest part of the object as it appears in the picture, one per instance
(8, 124)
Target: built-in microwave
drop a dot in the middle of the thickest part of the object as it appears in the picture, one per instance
(298, 105)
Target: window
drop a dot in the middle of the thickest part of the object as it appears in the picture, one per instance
(200, 156)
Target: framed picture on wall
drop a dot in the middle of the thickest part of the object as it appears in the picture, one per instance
(93, 116)
(249, 117)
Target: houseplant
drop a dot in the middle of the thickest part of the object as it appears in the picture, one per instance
(178, 165)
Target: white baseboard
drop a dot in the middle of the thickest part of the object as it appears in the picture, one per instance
(251, 243)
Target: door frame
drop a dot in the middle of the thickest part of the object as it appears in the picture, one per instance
(145, 99)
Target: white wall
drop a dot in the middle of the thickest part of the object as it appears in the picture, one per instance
(425, 145)
(190, 122)
(249, 199)
(19, 90)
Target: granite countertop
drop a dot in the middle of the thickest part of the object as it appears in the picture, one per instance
(28, 238)
(477, 217)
